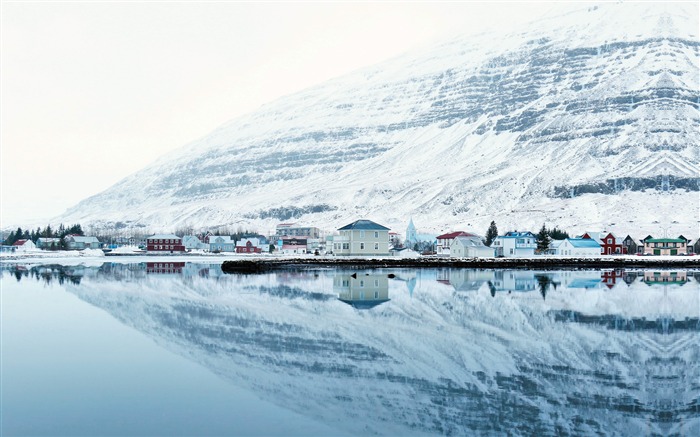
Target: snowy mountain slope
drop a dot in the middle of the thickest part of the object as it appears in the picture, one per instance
(430, 361)
(585, 119)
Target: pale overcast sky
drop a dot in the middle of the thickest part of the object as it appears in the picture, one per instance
(92, 92)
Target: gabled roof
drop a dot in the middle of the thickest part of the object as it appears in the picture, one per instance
(473, 241)
(516, 234)
(364, 225)
(20, 242)
(163, 236)
(83, 239)
(666, 240)
(583, 243)
(455, 234)
(553, 244)
(226, 239)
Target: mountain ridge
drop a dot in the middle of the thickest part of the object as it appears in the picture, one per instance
(458, 134)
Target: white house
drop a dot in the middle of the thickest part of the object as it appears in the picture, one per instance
(191, 242)
(579, 247)
(469, 247)
(24, 245)
(515, 244)
(444, 241)
(362, 238)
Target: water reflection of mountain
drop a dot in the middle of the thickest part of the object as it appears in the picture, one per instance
(436, 360)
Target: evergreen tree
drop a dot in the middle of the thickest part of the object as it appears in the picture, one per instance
(10, 240)
(557, 234)
(543, 240)
(491, 234)
(18, 235)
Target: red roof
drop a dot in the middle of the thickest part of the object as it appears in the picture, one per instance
(455, 234)
(20, 242)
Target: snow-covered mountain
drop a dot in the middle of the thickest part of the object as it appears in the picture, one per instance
(432, 360)
(586, 120)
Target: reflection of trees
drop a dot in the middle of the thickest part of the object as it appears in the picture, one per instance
(543, 282)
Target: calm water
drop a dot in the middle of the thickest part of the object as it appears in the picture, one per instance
(172, 348)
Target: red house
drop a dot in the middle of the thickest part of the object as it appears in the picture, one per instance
(611, 277)
(609, 243)
(248, 245)
(165, 243)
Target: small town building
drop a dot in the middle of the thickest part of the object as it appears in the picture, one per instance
(192, 242)
(24, 245)
(292, 246)
(164, 243)
(553, 248)
(609, 243)
(586, 247)
(221, 243)
(48, 243)
(249, 245)
(629, 246)
(362, 238)
(469, 247)
(294, 230)
(78, 242)
(515, 244)
(444, 241)
(665, 246)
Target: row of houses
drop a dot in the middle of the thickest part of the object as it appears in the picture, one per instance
(73, 242)
(171, 243)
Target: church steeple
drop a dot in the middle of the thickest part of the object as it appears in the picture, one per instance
(411, 234)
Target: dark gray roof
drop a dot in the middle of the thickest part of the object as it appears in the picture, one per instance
(364, 304)
(364, 225)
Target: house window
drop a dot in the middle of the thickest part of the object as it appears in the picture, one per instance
(362, 246)
(362, 234)
(346, 246)
(511, 250)
(376, 282)
(376, 295)
(609, 240)
(376, 246)
(362, 284)
(376, 234)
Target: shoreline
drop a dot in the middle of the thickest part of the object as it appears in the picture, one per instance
(265, 265)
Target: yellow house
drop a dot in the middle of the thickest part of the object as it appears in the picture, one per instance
(362, 238)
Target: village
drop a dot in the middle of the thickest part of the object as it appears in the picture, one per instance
(361, 238)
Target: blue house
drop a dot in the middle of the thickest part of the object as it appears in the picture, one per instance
(222, 243)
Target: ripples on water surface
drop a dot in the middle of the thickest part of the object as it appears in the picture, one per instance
(181, 348)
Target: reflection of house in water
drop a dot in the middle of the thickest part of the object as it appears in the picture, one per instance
(665, 277)
(362, 291)
(513, 280)
(611, 277)
(202, 270)
(579, 278)
(465, 279)
(165, 267)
